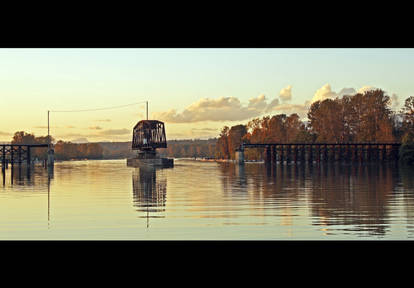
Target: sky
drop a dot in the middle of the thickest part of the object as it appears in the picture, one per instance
(194, 91)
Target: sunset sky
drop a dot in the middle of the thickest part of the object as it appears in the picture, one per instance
(194, 91)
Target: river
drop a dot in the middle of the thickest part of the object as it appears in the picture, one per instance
(106, 200)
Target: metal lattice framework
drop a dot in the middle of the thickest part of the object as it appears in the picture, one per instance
(17, 152)
(149, 135)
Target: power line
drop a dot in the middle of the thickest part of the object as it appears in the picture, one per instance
(87, 110)
(96, 109)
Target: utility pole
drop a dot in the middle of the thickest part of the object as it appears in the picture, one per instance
(50, 156)
(147, 110)
(48, 132)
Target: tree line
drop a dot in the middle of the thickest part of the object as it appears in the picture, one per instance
(196, 148)
(66, 150)
(63, 150)
(361, 117)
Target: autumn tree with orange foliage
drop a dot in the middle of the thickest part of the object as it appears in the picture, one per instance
(363, 117)
(358, 118)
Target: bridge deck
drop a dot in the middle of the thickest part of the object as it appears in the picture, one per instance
(25, 145)
(310, 152)
(11, 153)
(317, 144)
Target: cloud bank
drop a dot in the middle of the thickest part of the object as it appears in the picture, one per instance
(220, 109)
(325, 92)
(286, 93)
(231, 108)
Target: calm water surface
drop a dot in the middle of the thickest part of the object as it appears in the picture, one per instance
(104, 199)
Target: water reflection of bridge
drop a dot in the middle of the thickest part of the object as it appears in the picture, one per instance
(342, 199)
(149, 191)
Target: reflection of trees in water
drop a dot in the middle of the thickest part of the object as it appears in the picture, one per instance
(407, 179)
(259, 183)
(355, 196)
(21, 176)
(149, 191)
(352, 197)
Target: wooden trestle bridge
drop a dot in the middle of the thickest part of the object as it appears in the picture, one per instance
(17, 154)
(323, 152)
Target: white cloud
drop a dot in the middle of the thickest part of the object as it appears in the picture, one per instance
(286, 93)
(272, 105)
(395, 101)
(325, 92)
(364, 89)
(231, 109)
(346, 91)
(220, 109)
(258, 103)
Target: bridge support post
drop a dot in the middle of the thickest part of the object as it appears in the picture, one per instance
(310, 154)
(395, 153)
(355, 153)
(281, 154)
(288, 154)
(19, 155)
(362, 155)
(3, 158)
(318, 153)
(274, 155)
(369, 153)
(348, 154)
(239, 156)
(384, 153)
(302, 154)
(267, 155)
(295, 154)
(51, 158)
(11, 157)
(28, 157)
